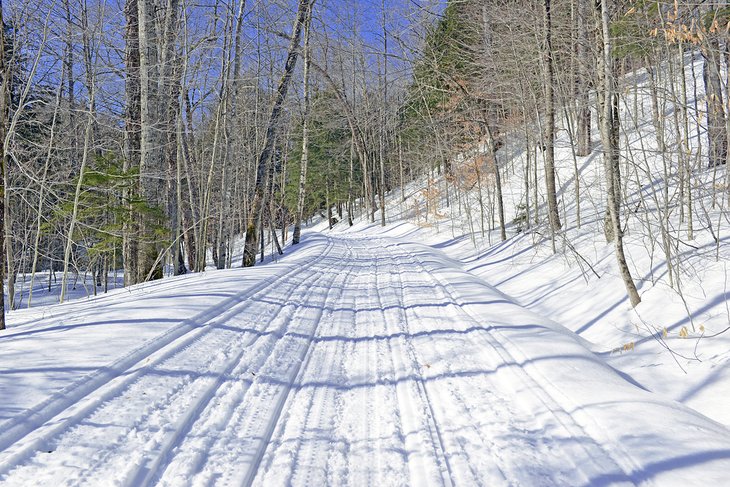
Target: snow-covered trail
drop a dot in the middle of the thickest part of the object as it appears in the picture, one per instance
(376, 362)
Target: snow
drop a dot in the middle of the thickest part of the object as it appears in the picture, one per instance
(357, 359)
(417, 354)
(644, 343)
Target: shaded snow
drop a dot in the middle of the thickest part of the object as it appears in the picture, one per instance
(365, 358)
(358, 359)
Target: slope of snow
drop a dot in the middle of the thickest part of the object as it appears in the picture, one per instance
(364, 358)
(579, 286)
(356, 360)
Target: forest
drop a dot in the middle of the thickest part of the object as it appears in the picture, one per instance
(144, 138)
(365, 243)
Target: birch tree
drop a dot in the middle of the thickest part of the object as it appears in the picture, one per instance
(301, 194)
(609, 123)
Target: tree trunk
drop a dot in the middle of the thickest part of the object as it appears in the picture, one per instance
(191, 214)
(383, 120)
(249, 250)
(492, 149)
(657, 118)
(305, 134)
(350, 185)
(170, 90)
(4, 84)
(583, 144)
(131, 140)
(608, 98)
(716, 134)
(150, 162)
(6, 235)
(549, 141)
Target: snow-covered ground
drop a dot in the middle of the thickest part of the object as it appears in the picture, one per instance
(356, 360)
(419, 354)
(677, 345)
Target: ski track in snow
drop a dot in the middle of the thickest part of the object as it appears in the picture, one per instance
(362, 367)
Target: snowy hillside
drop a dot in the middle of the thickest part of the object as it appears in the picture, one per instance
(422, 353)
(364, 243)
(676, 342)
(356, 360)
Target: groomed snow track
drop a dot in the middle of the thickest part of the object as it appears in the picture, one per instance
(369, 362)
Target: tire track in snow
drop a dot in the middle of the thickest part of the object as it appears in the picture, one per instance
(282, 396)
(369, 377)
(417, 399)
(77, 415)
(323, 379)
(357, 408)
(389, 418)
(596, 453)
(427, 461)
(382, 435)
(357, 416)
(267, 397)
(157, 348)
(457, 466)
(344, 331)
(286, 395)
(250, 347)
(297, 443)
(208, 436)
(355, 411)
(475, 419)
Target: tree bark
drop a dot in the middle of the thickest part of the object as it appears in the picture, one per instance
(170, 90)
(383, 121)
(608, 98)
(4, 84)
(150, 162)
(549, 141)
(249, 249)
(583, 132)
(6, 235)
(132, 136)
(716, 130)
(492, 149)
(296, 235)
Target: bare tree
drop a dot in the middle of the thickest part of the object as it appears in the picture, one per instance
(149, 162)
(383, 117)
(132, 151)
(549, 141)
(609, 123)
(305, 131)
(716, 129)
(583, 133)
(4, 86)
(255, 212)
